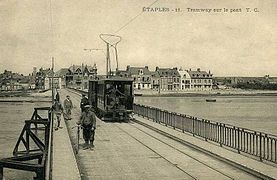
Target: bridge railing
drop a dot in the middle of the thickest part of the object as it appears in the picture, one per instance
(259, 144)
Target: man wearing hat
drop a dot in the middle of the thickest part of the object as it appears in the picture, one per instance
(57, 109)
(84, 102)
(67, 104)
(88, 123)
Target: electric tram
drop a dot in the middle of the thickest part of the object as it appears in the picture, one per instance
(111, 95)
(112, 98)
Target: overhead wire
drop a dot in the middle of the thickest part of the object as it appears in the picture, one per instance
(126, 24)
(135, 17)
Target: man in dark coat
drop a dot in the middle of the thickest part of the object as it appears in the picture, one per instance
(84, 102)
(88, 123)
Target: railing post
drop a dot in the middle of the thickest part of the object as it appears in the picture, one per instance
(205, 130)
(266, 147)
(174, 120)
(238, 140)
(192, 126)
(261, 159)
(165, 117)
(220, 134)
(183, 119)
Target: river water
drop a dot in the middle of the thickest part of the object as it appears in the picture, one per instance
(12, 117)
(256, 112)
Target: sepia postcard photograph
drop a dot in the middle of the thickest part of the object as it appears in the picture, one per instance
(138, 89)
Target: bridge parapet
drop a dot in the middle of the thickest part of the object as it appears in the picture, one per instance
(258, 144)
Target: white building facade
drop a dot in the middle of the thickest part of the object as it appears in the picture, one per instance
(195, 80)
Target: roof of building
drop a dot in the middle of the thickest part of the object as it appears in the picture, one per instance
(199, 74)
(45, 72)
(62, 72)
(82, 68)
(167, 71)
(137, 70)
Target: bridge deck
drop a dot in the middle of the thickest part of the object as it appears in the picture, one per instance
(131, 151)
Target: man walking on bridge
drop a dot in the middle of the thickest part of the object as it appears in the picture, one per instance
(88, 123)
(67, 108)
(57, 109)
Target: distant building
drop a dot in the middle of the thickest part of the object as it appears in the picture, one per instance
(186, 81)
(78, 76)
(155, 80)
(196, 80)
(10, 81)
(62, 74)
(169, 79)
(141, 75)
(41, 76)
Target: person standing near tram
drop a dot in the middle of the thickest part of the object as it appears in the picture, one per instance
(88, 124)
(67, 104)
(84, 102)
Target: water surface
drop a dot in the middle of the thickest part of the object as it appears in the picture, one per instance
(255, 112)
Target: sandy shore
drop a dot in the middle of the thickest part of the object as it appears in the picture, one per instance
(31, 96)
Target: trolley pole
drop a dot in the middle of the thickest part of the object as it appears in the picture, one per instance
(108, 60)
(52, 81)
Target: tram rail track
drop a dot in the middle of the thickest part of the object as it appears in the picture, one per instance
(199, 149)
(198, 160)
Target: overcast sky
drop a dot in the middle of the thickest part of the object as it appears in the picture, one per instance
(227, 44)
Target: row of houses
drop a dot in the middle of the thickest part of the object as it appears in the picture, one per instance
(77, 76)
(169, 79)
(161, 79)
(10, 81)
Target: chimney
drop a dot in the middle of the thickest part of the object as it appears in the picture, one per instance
(198, 69)
(157, 68)
(189, 69)
(175, 68)
(146, 67)
(128, 67)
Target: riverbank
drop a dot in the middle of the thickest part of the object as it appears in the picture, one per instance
(30, 97)
(24, 93)
(229, 92)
